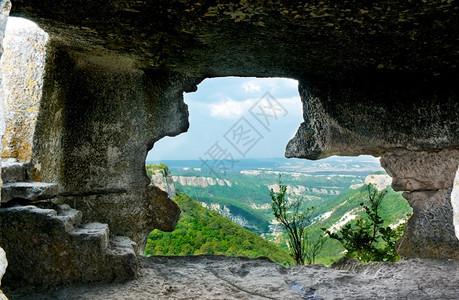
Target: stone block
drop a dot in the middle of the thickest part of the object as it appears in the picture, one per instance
(13, 172)
(43, 253)
(29, 191)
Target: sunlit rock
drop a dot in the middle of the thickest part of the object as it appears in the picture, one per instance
(428, 179)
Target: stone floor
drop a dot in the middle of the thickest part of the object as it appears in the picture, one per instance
(216, 277)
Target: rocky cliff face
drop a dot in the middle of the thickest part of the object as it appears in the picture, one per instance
(226, 212)
(375, 78)
(301, 190)
(164, 181)
(201, 181)
(380, 181)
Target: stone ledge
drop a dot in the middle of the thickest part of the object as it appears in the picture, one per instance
(30, 191)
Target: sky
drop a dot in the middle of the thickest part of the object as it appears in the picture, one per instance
(237, 117)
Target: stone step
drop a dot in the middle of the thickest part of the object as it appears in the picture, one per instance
(121, 245)
(14, 172)
(28, 191)
(92, 235)
(50, 247)
(69, 217)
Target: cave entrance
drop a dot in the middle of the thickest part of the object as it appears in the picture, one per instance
(231, 157)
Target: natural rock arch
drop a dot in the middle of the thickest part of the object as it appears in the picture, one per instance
(375, 78)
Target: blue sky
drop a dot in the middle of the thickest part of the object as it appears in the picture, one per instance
(238, 117)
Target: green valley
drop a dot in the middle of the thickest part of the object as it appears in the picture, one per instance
(334, 188)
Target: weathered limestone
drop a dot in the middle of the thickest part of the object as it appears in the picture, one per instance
(49, 245)
(64, 250)
(28, 191)
(22, 67)
(427, 177)
(104, 114)
(218, 277)
(374, 115)
(164, 181)
(3, 265)
(5, 6)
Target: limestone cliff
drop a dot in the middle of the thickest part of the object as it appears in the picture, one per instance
(380, 181)
(301, 190)
(226, 212)
(201, 181)
(163, 180)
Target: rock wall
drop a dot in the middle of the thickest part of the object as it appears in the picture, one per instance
(380, 181)
(201, 181)
(93, 141)
(164, 180)
(455, 203)
(22, 67)
(5, 6)
(374, 115)
(427, 179)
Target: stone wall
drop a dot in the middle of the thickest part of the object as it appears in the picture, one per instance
(99, 116)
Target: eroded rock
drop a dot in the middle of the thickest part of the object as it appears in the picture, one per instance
(164, 180)
(428, 179)
(214, 277)
(22, 66)
(3, 264)
(28, 191)
(56, 249)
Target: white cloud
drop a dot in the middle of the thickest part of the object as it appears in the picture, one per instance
(232, 109)
(229, 108)
(251, 87)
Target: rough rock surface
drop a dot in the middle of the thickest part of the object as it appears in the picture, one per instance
(22, 67)
(428, 179)
(207, 277)
(64, 250)
(5, 6)
(3, 264)
(28, 191)
(164, 181)
(380, 181)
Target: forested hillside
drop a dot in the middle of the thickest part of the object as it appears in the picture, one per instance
(201, 231)
(208, 226)
(335, 213)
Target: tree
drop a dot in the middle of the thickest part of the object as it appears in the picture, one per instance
(295, 221)
(367, 239)
(313, 248)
